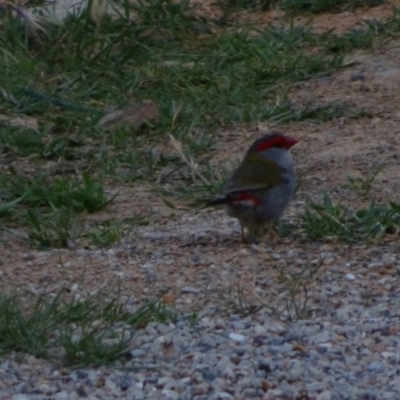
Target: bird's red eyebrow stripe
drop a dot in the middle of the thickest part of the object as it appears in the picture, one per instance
(284, 142)
(245, 196)
(268, 143)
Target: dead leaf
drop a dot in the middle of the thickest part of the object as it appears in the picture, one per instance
(194, 167)
(169, 298)
(356, 58)
(98, 10)
(136, 116)
(298, 347)
(20, 122)
(265, 386)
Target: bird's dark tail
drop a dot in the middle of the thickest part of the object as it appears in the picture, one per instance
(217, 201)
(246, 198)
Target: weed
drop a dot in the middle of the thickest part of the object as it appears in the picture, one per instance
(7, 208)
(108, 232)
(53, 208)
(239, 305)
(58, 228)
(328, 112)
(93, 330)
(329, 220)
(363, 186)
(297, 303)
(83, 194)
(297, 300)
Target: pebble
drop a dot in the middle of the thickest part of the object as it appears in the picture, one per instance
(236, 337)
(376, 367)
(222, 396)
(170, 394)
(350, 277)
(138, 352)
(375, 265)
(238, 325)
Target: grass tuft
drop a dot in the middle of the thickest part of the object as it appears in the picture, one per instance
(329, 220)
(363, 186)
(72, 331)
(297, 283)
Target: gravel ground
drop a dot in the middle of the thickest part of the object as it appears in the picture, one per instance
(353, 353)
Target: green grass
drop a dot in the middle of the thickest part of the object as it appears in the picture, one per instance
(330, 220)
(362, 186)
(334, 220)
(106, 233)
(80, 194)
(297, 305)
(90, 331)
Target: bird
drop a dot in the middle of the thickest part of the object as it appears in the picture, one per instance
(261, 188)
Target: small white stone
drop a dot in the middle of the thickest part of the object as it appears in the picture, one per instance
(350, 277)
(259, 329)
(170, 394)
(185, 381)
(237, 337)
(325, 346)
(74, 287)
(223, 396)
(61, 396)
(390, 355)
(163, 381)
(375, 265)
(325, 395)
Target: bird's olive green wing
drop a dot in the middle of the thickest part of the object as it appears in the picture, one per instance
(255, 173)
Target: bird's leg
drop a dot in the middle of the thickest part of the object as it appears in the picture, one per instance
(244, 240)
(272, 232)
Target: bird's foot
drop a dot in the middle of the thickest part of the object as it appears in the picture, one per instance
(260, 231)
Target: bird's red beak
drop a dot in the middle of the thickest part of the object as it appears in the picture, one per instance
(290, 142)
